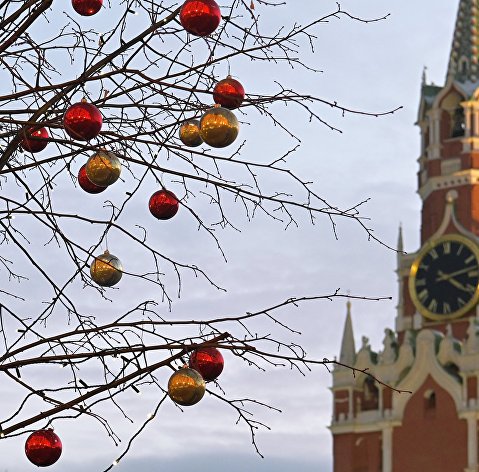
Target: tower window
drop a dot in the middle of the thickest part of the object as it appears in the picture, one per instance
(370, 396)
(430, 403)
(458, 123)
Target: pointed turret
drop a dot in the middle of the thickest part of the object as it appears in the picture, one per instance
(400, 246)
(348, 349)
(464, 58)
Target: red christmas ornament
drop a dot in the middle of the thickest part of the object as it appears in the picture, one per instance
(200, 17)
(43, 447)
(229, 93)
(87, 7)
(208, 361)
(82, 121)
(86, 184)
(163, 204)
(34, 145)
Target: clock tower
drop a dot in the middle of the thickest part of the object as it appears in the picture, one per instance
(433, 350)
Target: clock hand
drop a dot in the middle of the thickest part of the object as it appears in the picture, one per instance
(458, 285)
(443, 276)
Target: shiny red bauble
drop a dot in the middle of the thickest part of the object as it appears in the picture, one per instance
(229, 93)
(86, 184)
(43, 447)
(34, 141)
(163, 204)
(200, 17)
(82, 121)
(208, 361)
(87, 7)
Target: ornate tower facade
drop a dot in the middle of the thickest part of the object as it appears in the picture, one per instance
(433, 351)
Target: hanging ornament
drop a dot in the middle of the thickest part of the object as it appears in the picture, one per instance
(87, 7)
(103, 168)
(190, 133)
(208, 361)
(82, 121)
(200, 17)
(229, 93)
(43, 447)
(219, 127)
(34, 140)
(186, 386)
(106, 270)
(163, 204)
(86, 184)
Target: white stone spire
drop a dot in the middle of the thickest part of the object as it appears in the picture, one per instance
(400, 246)
(348, 349)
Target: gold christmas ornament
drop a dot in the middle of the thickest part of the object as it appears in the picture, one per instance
(186, 387)
(219, 127)
(190, 133)
(103, 168)
(106, 270)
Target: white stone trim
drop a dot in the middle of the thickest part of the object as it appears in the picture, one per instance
(465, 177)
(425, 365)
(387, 449)
(472, 443)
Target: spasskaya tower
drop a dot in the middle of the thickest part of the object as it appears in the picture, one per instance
(433, 350)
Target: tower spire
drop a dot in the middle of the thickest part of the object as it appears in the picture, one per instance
(464, 58)
(400, 245)
(347, 355)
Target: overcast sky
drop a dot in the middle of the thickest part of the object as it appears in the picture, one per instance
(372, 67)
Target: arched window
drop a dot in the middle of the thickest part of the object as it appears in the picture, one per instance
(370, 396)
(458, 123)
(430, 400)
(430, 404)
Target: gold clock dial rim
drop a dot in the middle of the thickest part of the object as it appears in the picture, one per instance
(474, 248)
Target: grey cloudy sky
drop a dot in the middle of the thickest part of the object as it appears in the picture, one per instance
(370, 67)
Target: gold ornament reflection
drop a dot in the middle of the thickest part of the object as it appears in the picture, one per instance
(186, 387)
(219, 127)
(190, 133)
(106, 270)
(103, 168)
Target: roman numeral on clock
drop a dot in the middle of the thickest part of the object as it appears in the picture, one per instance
(470, 259)
(423, 294)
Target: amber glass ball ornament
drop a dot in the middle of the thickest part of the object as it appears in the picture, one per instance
(208, 361)
(34, 140)
(229, 93)
(200, 17)
(87, 7)
(106, 270)
(186, 387)
(43, 448)
(163, 204)
(86, 184)
(190, 133)
(103, 168)
(82, 121)
(219, 127)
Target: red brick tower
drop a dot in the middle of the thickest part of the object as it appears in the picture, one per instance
(434, 349)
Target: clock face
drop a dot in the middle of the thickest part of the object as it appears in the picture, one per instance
(444, 278)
